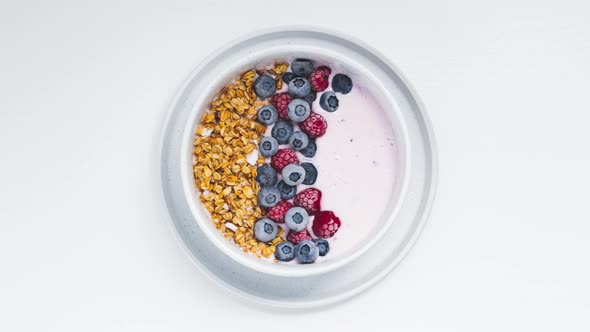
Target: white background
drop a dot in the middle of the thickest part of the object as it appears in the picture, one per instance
(85, 243)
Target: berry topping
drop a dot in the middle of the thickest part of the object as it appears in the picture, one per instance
(265, 86)
(314, 126)
(268, 146)
(298, 110)
(329, 101)
(285, 251)
(311, 97)
(287, 191)
(301, 67)
(297, 237)
(281, 131)
(283, 158)
(325, 224)
(280, 102)
(309, 199)
(341, 83)
(323, 246)
(310, 150)
(299, 87)
(277, 212)
(287, 77)
(311, 173)
(265, 230)
(269, 196)
(293, 174)
(267, 115)
(299, 140)
(319, 78)
(307, 251)
(296, 219)
(266, 176)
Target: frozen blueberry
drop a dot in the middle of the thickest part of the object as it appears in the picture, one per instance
(287, 192)
(287, 77)
(329, 101)
(341, 83)
(269, 196)
(293, 174)
(285, 251)
(265, 86)
(307, 251)
(323, 246)
(266, 176)
(310, 150)
(299, 140)
(298, 110)
(296, 218)
(268, 146)
(301, 67)
(265, 230)
(311, 97)
(311, 173)
(299, 87)
(267, 115)
(281, 131)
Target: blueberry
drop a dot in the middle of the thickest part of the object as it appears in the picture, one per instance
(266, 176)
(293, 174)
(311, 97)
(285, 251)
(329, 101)
(341, 83)
(299, 87)
(269, 196)
(265, 86)
(311, 173)
(296, 218)
(287, 192)
(281, 131)
(310, 150)
(268, 146)
(298, 110)
(287, 77)
(323, 246)
(307, 251)
(299, 140)
(301, 67)
(265, 230)
(267, 115)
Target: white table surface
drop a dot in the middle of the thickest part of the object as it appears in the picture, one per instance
(85, 243)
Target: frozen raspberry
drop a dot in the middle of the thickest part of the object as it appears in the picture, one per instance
(277, 212)
(296, 237)
(325, 224)
(309, 199)
(314, 126)
(283, 158)
(280, 102)
(319, 78)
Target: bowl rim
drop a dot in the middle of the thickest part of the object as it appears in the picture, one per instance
(227, 247)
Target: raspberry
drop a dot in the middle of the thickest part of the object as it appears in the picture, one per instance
(296, 237)
(277, 212)
(280, 102)
(325, 224)
(314, 126)
(319, 78)
(283, 158)
(309, 199)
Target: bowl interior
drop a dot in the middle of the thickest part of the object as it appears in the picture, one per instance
(368, 73)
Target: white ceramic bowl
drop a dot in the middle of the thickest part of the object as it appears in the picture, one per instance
(415, 152)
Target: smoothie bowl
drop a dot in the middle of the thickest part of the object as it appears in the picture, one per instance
(294, 153)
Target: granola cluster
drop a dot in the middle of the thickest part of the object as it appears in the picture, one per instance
(225, 161)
